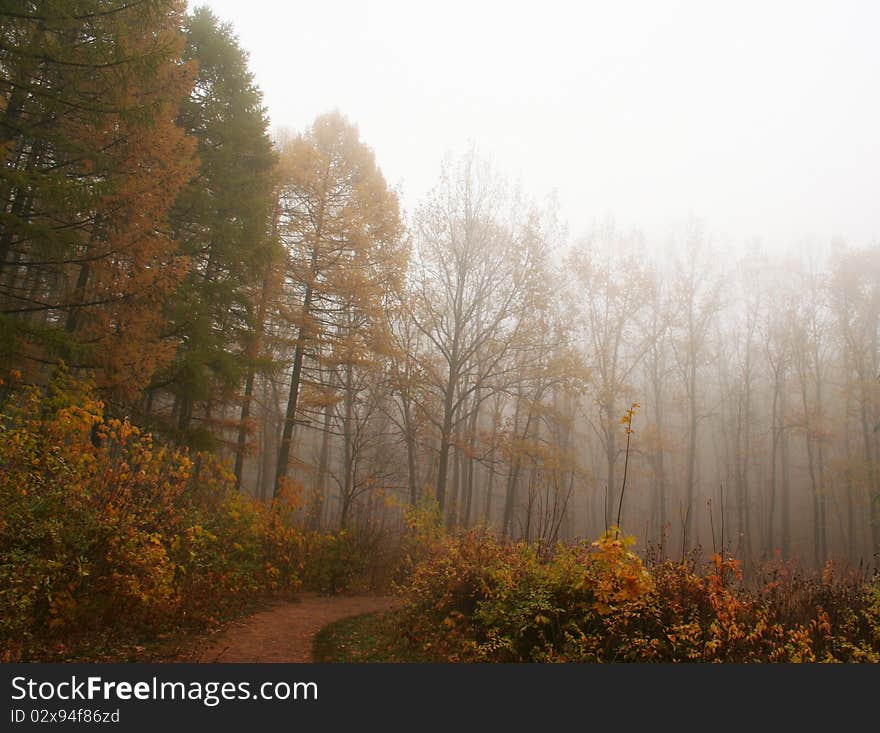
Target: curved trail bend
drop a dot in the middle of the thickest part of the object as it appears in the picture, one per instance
(285, 632)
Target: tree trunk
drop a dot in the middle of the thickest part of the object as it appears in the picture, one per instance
(610, 429)
(785, 509)
(79, 291)
(446, 437)
(295, 379)
(411, 460)
(691, 451)
(453, 504)
(874, 492)
(819, 494)
(744, 511)
(347, 449)
(774, 438)
(472, 446)
(320, 499)
(252, 353)
(513, 478)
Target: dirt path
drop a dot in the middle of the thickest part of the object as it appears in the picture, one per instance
(284, 632)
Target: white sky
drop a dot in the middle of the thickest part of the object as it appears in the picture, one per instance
(761, 118)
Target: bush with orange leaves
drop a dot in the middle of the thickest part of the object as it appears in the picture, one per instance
(710, 615)
(106, 532)
(474, 598)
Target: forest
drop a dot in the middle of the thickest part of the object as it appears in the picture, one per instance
(236, 369)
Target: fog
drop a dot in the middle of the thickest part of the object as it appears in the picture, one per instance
(758, 118)
(560, 322)
(668, 204)
(554, 267)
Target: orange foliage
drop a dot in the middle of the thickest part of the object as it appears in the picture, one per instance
(105, 530)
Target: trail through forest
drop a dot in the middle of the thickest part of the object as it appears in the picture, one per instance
(285, 632)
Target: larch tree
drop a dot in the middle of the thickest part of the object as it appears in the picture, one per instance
(341, 227)
(222, 223)
(92, 160)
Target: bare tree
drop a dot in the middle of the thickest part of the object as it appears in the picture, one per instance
(476, 268)
(697, 301)
(610, 282)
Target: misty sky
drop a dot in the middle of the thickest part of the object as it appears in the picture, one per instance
(761, 118)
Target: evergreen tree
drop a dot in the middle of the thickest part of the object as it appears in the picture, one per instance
(91, 159)
(222, 221)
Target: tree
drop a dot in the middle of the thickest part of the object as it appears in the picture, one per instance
(611, 285)
(222, 222)
(409, 408)
(752, 297)
(92, 162)
(654, 326)
(549, 367)
(855, 292)
(341, 227)
(810, 346)
(476, 270)
(697, 301)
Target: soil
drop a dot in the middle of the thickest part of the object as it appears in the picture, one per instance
(284, 632)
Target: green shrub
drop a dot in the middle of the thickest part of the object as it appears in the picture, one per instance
(335, 561)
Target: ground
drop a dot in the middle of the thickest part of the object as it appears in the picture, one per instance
(284, 632)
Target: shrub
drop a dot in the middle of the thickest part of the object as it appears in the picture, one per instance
(104, 530)
(335, 561)
(474, 598)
